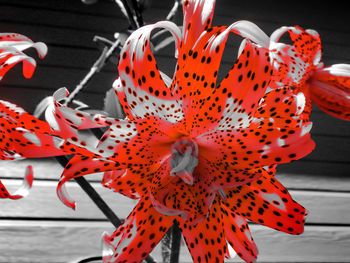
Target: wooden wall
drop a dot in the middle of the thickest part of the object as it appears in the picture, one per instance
(40, 229)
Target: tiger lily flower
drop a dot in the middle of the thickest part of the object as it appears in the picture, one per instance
(299, 65)
(193, 151)
(17, 128)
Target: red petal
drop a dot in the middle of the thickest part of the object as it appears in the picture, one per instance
(141, 90)
(195, 80)
(24, 188)
(330, 90)
(266, 201)
(172, 196)
(226, 177)
(24, 135)
(66, 121)
(120, 148)
(198, 15)
(283, 108)
(21, 42)
(139, 233)
(205, 240)
(294, 63)
(306, 42)
(238, 235)
(244, 86)
(130, 182)
(11, 47)
(259, 145)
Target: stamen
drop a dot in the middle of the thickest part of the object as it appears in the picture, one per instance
(223, 195)
(183, 162)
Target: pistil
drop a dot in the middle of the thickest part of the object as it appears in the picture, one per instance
(184, 160)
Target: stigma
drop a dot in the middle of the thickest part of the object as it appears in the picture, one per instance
(184, 159)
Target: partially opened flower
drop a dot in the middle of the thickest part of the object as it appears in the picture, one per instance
(299, 65)
(194, 151)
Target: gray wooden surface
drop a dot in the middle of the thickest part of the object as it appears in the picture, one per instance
(41, 229)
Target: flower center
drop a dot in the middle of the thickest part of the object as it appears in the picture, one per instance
(184, 159)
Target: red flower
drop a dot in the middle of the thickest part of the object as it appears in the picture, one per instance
(299, 65)
(21, 135)
(192, 150)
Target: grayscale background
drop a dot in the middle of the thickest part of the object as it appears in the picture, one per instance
(41, 229)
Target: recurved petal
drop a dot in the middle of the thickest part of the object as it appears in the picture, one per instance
(198, 15)
(295, 63)
(18, 116)
(267, 202)
(23, 190)
(206, 240)
(238, 235)
(143, 90)
(11, 47)
(80, 164)
(306, 42)
(225, 176)
(66, 121)
(21, 42)
(22, 135)
(139, 233)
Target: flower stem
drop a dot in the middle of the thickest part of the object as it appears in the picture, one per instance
(175, 244)
(98, 65)
(138, 15)
(132, 22)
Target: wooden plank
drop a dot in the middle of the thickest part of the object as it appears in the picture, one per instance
(69, 57)
(330, 149)
(102, 8)
(316, 168)
(48, 17)
(42, 202)
(54, 35)
(85, 18)
(324, 124)
(309, 15)
(47, 241)
(324, 207)
(56, 77)
(308, 181)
